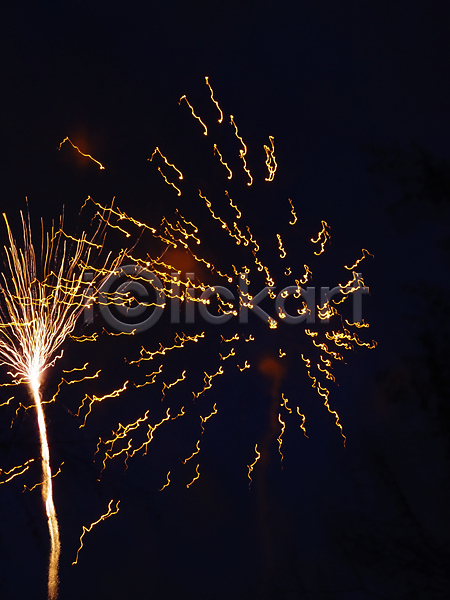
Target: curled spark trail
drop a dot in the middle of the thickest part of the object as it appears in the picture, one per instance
(40, 482)
(215, 101)
(167, 386)
(284, 403)
(16, 471)
(112, 211)
(238, 212)
(205, 132)
(204, 419)
(322, 237)
(243, 368)
(293, 213)
(252, 466)
(242, 151)
(195, 478)
(280, 246)
(67, 139)
(364, 254)
(230, 172)
(180, 174)
(95, 398)
(197, 446)
(359, 325)
(302, 425)
(7, 401)
(271, 162)
(157, 150)
(108, 514)
(167, 483)
(169, 182)
(39, 308)
(280, 437)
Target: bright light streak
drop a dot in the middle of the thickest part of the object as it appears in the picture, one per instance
(47, 488)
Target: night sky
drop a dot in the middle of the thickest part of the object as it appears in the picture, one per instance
(356, 96)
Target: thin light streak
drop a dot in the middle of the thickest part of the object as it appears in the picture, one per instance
(280, 247)
(166, 484)
(108, 514)
(16, 471)
(244, 367)
(215, 101)
(158, 151)
(322, 237)
(302, 425)
(271, 162)
(284, 403)
(219, 154)
(242, 151)
(205, 132)
(252, 466)
(196, 451)
(293, 213)
(364, 254)
(238, 212)
(280, 437)
(66, 139)
(196, 476)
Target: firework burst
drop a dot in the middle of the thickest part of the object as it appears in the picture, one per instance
(228, 240)
(39, 308)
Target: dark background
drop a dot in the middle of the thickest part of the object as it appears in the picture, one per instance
(357, 98)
